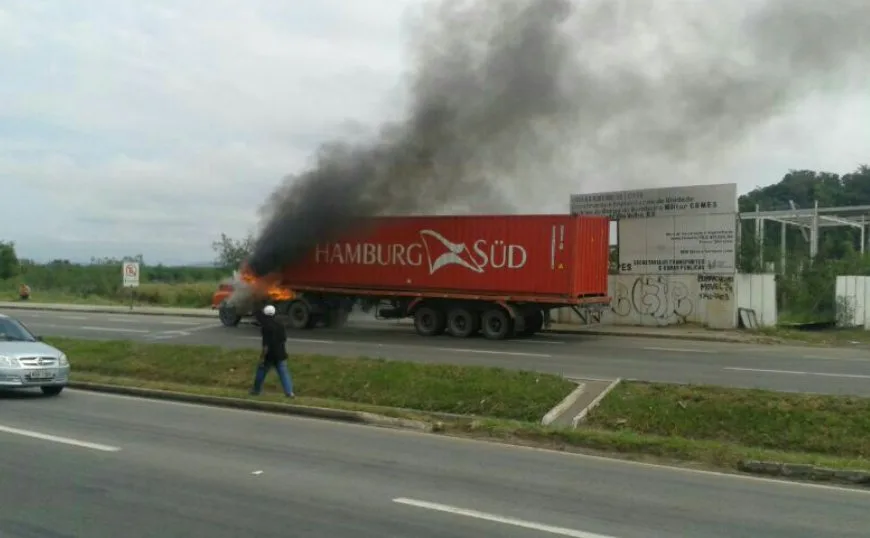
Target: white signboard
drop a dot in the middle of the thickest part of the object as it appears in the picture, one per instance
(653, 203)
(678, 245)
(130, 274)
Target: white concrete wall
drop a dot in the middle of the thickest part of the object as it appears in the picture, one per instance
(758, 292)
(662, 300)
(853, 301)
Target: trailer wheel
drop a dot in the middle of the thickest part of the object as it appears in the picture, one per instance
(228, 315)
(534, 323)
(299, 315)
(496, 324)
(462, 322)
(429, 321)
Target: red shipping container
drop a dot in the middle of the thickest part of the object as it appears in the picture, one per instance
(564, 256)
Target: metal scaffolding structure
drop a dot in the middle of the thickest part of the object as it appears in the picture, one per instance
(810, 221)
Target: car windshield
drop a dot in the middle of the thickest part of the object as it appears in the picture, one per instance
(13, 331)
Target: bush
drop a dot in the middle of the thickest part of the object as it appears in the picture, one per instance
(62, 282)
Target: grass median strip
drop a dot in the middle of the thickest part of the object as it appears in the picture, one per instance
(715, 426)
(832, 425)
(442, 388)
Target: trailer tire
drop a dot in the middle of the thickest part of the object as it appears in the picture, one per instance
(429, 321)
(496, 324)
(462, 322)
(299, 316)
(228, 315)
(534, 323)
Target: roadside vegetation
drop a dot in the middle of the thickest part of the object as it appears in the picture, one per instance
(99, 283)
(712, 426)
(322, 380)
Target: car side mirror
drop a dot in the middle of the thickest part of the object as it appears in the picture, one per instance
(39, 339)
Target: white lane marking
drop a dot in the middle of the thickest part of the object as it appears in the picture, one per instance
(679, 350)
(61, 440)
(151, 337)
(492, 352)
(795, 372)
(194, 328)
(170, 334)
(377, 344)
(53, 325)
(123, 319)
(76, 318)
(545, 342)
(311, 341)
(605, 460)
(112, 329)
(845, 359)
(561, 531)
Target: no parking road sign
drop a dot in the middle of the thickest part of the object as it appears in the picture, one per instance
(130, 274)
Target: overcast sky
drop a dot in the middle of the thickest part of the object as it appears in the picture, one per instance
(151, 126)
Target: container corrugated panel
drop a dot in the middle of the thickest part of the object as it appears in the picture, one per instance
(548, 255)
(591, 256)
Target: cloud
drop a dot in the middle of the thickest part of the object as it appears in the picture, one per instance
(153, 126)
(136, 123)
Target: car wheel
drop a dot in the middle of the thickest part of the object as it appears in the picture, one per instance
(53, 390)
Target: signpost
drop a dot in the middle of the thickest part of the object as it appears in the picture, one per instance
(130, 277)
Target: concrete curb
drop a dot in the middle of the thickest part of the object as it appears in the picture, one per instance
(581, 416)
(664, 336)
(805, 472)
(342, 415)
(564, 405)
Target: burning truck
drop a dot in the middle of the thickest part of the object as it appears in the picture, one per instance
(499, 275)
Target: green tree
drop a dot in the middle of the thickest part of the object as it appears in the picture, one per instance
(805, 289)
(232, 252)
(9, 264)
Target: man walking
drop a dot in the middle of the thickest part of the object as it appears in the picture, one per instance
(273, 353)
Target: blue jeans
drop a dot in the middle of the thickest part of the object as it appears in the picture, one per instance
(283, 375)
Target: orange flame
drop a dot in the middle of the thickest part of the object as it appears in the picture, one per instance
(267, 286)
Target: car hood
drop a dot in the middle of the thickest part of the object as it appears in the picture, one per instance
(27, 349)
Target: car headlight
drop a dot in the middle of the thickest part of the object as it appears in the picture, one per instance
(63, 360)
(9, 362)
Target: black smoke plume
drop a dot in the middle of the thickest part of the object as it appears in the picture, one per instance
(463, 101)
(516, 103)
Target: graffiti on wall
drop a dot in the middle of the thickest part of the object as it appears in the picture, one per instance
(663, 299)
(715, 287)
(669, 300)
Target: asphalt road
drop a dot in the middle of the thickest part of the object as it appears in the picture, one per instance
(105, 466)
(787, 368)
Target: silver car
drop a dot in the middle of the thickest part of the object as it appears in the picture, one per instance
(27, 362)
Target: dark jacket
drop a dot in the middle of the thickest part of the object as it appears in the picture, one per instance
(274, 340)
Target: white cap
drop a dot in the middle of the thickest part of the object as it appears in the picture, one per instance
(269, 310)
